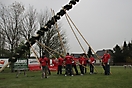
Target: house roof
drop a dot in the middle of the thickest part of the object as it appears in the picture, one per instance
(101, 52)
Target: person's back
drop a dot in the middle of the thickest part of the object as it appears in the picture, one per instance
(43, 61)
(68, 61)
(60, 61)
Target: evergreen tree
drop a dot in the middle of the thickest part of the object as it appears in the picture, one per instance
(117, 55)
(130, 49)
(129, 59)
(125, 51)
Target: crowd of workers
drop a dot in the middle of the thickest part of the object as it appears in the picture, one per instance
(69, 62)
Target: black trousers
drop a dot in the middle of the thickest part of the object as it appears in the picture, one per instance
(69, 69)
(107, 69)
(103, 65)
(59, 69)
(75, 68)
(44, 71)
(85, 69)
(91, 68)
(81, 69)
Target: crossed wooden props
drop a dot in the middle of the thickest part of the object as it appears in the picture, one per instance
(22, 49)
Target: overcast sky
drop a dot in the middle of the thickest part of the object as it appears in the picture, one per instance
(103, 23)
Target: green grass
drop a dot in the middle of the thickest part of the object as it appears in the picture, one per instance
(120, 78)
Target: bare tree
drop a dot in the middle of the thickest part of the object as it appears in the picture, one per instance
(10, 19)
(51, 38)
(2, 45)
(29, 24)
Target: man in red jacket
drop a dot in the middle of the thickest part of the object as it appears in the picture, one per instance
(85, 63)
(106, 61)
(44, 63)
(68, 62)
(60, 63)
(91, 62)
(74, 65)
(81, 63)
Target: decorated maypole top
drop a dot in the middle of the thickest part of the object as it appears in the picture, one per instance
(22, 49)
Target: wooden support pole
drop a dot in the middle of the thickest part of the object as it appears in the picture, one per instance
(75, 34)
(82, 35)
(48, 48)
(78, 40)
(57, 29)
(5, 66)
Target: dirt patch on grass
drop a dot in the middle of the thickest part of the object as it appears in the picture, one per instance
(2, 78)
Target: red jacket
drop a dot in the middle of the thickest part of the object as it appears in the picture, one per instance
(43, 61)
(106, 57)
(55, 62)
(68, 59)
(85, 61)
(81, 60)
(74, 61)
(60, 61)
(92, 60)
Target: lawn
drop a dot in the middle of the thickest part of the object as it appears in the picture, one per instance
(120, 78)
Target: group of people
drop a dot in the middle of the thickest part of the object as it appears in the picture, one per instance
(69, 62)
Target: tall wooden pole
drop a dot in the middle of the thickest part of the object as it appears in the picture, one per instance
(43, 46)
(82, 35)
(57, 29)
(78, 40)
(5, 66)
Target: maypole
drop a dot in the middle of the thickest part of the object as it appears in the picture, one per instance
(22, 49)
